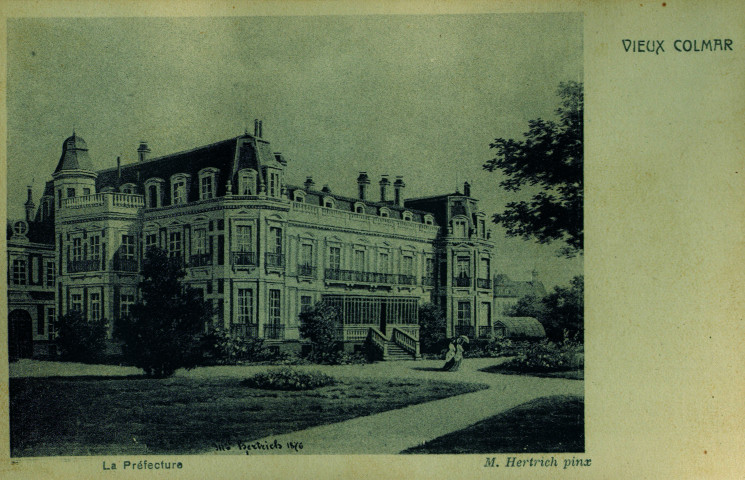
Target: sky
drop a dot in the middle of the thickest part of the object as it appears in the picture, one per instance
(417, 96)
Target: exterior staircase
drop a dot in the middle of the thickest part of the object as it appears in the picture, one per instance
(399, 345)
(395, 353)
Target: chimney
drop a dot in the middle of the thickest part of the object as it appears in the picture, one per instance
(467, 189)
(30, 206)
(398, 191)
(143, 151)
(384, 183)
(256, 127)
(119, 168)
(309, 183)
(362, 182)
(261, 128)
(326, 189)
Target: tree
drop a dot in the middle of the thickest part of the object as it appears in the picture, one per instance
(78, 339)
(550, 158)
(164, 329)
(561, 312)
(432, 328)
(318, 324)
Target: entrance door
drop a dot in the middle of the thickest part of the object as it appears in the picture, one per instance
(20, 334)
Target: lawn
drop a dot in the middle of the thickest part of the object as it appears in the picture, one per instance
(136, 415)
(508, 369)
(543, 425)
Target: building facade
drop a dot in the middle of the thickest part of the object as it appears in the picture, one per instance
(260, 250)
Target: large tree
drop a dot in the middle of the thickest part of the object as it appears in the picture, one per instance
(549, 159)
(164, 329)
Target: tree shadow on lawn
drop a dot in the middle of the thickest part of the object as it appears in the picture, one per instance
(505, 369)
(429, 369)
(543, 425)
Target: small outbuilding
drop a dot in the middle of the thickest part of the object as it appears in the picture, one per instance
(518, 327)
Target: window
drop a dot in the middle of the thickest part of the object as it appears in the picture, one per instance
(275, 312)
(174, 245)
(464, 313)
(407, 265)
(328, 202)
(50, 274)
(19, 272)
(207, 179)
(247, 182)
(274, 184)
(125, 305)
(299, 196)
(359, 208)
(305, 303)
(128, 247)
(306, 254)
(153, 189)
(70, 192)
(429, 220)
(76, 302)
(244, 238)
(152, 195)
(459, 228)
(200, 241)
(482, 228)
(86, 191)
(151, 240)
(334, 258)
(77, 249)
(275, 239)
(384, 265)
(95, 244)
(221, 286)
(245, 306)
(430, 267)
(50, 321)
(486, 313)
(407, 216)
(463, 267)
(484, 268)
(95, 310)
(385, 213)
(179, 192)
(359, 260)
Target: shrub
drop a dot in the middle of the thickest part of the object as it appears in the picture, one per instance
(547, 356)
(80, 340)
(288, 379)
(227, 348)
(432, 338)
(318, 324)
(497, 347)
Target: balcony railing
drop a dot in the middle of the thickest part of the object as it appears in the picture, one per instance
(245, 330)
(306, 271)
(276, 260)
(462, 281)
(406, 280)
(466, 330)
(200, 260)
(483, 283)
(274, 331)
(75, 266)
(358, 276)
(125, 264)
(428, 281)
(485, 331)
(244, 258)
(110, 199)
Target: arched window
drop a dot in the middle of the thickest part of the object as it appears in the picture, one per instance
(207, 183)
(385, 212)
(247, 182)
(359, 207)
(328, 202)
(154, 192)
(407, 216)
(429, 219)
(128, 188)
(179, 189)
(299, 196)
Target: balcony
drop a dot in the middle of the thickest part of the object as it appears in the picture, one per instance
(359, 276)
(243, 259)
(77, 266)
(101, 203)
(306, 271)
(274, 331)
(274, 260)
(406, 280)
(200, 260)
(125, 264)
(245, 330)
(462, 281)
(483, 283)
(466, 330)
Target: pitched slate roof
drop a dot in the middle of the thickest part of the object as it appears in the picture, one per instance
(74, 155)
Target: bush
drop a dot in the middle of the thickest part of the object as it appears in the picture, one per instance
(547, 356)
(229, 349)
(497, 347)
(432, 329)
(288, 379)
(318, 324)
(337, 357)
(80, 340)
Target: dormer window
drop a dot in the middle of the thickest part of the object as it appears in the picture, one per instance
(459, 227)
(128, 188)
(328, 202)
(385, 212)
(299, 196)
(179, 189)
(429, 220)
(153, 192)
(247, 181)
(407, 216)
(359, 207)
(207, 183)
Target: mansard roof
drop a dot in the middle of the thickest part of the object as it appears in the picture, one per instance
(74, 155)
